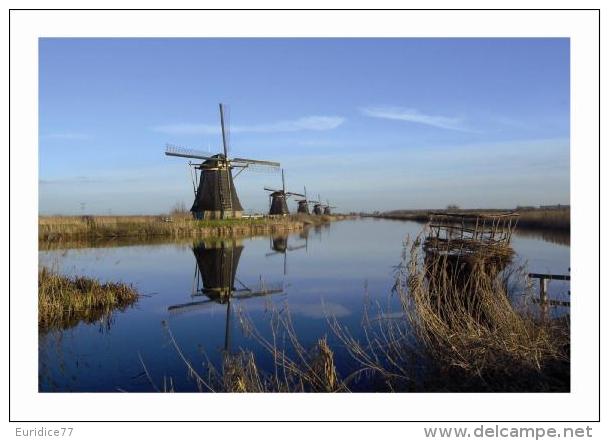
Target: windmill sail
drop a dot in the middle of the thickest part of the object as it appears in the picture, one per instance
(173, 150)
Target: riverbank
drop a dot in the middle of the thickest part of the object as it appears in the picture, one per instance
(65, 301)
(61, 228)
(547, 219)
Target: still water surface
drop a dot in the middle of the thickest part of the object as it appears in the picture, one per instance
(332, 270)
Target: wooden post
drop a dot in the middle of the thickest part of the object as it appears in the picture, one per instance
(543, 290)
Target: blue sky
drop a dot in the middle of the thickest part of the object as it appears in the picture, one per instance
(371, 124)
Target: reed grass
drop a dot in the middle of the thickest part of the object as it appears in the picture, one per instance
(59, 228)
(547, 219)
(65, 301)
(472, 333)
(311, 370)
(559, 219)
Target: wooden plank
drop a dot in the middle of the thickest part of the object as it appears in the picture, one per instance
(549, 276)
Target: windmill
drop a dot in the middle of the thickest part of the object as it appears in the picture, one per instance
(317, 206)
(328, 208)
(214, 189)
(279, 245)
(216, 268)
(278, 198)
(303, 204)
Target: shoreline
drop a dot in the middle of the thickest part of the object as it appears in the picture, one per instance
(555, 220)
(55, 229)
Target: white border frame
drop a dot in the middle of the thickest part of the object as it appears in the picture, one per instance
(582, 404)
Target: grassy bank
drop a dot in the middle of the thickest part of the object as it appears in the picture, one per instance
(546, 219)
(542, 219)
(59, 228)
(65, 301)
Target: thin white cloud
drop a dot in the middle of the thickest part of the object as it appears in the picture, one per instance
(67, 136)
(313, 123)
(414, 116)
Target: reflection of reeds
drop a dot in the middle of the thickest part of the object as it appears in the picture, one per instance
(560, 237)
(64, 301)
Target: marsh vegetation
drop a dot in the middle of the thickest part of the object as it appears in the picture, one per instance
(558, 219)
(64, 301)
(177, 225)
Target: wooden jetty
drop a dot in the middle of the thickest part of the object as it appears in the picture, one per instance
(467, 236)
(543, 287)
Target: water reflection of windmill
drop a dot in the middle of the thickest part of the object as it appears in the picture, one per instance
(279, 245)
(214, 189)
(278, 199)
(215, 277)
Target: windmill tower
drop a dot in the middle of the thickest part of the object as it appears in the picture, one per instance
(278, 199)
(328, 208)
(303, 204)
(317, 206)
(214, 188)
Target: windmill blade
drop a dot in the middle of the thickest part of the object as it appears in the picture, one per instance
(246, 161)
(263, 292)
(289, 193)
(245, 287)
(282, 181)
(253, 167)
(224, 130)
(173, 150)
(190, 305)
(270, 189)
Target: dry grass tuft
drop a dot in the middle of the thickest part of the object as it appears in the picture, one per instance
(64, 301)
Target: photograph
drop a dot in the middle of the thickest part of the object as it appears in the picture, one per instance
(304, 214)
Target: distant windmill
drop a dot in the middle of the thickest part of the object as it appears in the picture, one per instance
(215, 193)
(328, 208)
(317, 206)
(278, 198)
(303, 204)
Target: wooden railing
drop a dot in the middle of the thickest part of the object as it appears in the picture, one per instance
(543, 286)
